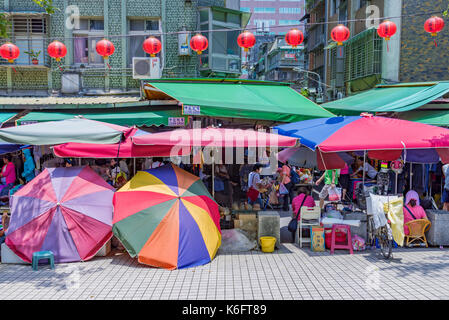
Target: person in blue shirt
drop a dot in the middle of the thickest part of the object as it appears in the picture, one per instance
(28, 166)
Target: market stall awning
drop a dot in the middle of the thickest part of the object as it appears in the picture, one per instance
(57, 132)
(83, 102)
(434, 117)
(236, 99)
(389, 98)
(5, 116)
(126, 117)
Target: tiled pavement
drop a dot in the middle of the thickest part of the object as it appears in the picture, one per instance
(288, 273)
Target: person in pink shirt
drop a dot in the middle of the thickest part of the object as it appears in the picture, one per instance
(7, 175)
(286, 181)
(302, 199)
(344, 181)
(412, 209)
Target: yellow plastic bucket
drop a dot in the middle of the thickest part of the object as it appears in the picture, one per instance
(267, 243)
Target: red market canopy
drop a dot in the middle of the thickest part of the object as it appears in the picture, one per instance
(215, 137)
(124, 149)
(383, 138)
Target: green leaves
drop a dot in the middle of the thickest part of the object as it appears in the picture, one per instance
(47, 5)
(4, 25)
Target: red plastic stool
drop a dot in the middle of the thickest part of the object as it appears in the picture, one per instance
(348, 245)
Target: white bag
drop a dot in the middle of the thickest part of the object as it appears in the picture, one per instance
(377, 207)
(334, 194)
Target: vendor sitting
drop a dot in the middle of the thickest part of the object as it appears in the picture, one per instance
(412, 209)
(302, 198)
(364, 166)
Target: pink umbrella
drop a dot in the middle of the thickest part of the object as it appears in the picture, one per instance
(65, 210)
(215, 137)
(124, 149)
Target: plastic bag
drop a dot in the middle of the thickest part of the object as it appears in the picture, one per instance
(235, 240)
(282, 189)
(377, 208)
(358, 243)
(335, 194)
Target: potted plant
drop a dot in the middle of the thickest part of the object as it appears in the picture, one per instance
(34, 56)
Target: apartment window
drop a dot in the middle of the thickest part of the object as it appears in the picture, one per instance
(334, 7)
(289, 22)
(363, 56)
(362, 3)
(29, 34)
(223, 53)
(290, 10)
(139, 30)
(85, 40)
(245, 9)
(264, 10)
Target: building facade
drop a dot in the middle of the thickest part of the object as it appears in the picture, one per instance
(126, 23)
(280, 13)
(366, 60)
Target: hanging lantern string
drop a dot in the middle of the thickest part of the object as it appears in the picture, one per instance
(304, 24)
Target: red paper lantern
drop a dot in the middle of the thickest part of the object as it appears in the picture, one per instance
(246, 40)
(294, 37)
(57, 50)
(105, 48)
(340, 34)
(10, 52)
(387, 29)
(199, 43)
(152, 46)
(434, 25)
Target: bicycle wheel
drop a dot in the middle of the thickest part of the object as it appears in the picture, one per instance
(386, 245)
(370, 241)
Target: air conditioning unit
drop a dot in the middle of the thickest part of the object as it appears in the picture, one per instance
(146, 68)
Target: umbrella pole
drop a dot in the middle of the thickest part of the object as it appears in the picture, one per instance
(364, 162)
(213, 174)
(134, 165)
(411, 181)
(79, 162)
(396, 184)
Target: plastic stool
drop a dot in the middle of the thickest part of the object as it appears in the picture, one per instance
(348, 245)
(43, 255)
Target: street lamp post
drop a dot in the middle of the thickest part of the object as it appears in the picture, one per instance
(320, 90)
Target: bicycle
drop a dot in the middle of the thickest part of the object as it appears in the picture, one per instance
(383, 234)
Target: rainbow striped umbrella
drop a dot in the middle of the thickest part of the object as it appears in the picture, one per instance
(167, 218)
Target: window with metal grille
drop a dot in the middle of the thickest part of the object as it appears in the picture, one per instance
(30, 35)
(363, 55)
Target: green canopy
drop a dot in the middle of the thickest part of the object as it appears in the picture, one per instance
(127, 117)
(57, 132)
(5, 116)
(434, 117)
(240, 99)
(389, 98)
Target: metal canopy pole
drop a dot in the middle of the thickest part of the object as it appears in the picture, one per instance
(134, 165)
(364, 162)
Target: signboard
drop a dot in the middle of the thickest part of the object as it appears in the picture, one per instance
(23, 123)
(176, 121)
(191, 110)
